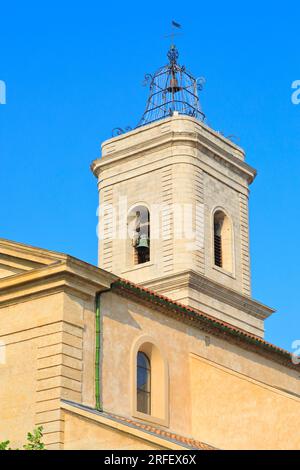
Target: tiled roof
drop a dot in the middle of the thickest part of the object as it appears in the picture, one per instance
(205, 322)
(187, 442)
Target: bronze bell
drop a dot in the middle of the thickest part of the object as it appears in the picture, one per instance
(143, 242)
(174, 87)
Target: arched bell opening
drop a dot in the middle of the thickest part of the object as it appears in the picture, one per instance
(139, 224)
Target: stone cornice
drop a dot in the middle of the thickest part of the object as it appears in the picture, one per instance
(69, 275)
(188, 121)
(239, 167)
(170, 139)
(154, 143)
(21, 251)
(200, 283)
(205, 322)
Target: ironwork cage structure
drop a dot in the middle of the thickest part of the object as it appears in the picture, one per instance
(172, 89)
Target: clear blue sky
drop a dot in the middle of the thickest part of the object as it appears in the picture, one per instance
(74, 71)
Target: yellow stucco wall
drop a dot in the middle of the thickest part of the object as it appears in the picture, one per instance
(82, 433)
(49, 343)
(41, 362)
(17, 392)
(24, 329)
(236, 412)
(125, 322)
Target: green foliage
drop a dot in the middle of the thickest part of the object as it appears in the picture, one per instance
(34, 441)
(4, 445)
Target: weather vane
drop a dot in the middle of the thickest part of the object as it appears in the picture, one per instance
(173, 90)
(174, 27)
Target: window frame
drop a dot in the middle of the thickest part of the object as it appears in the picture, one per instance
(134, 257)
(231, 273)
(159, 381)
(148, 382)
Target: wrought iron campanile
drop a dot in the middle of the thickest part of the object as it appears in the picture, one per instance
(172, 89)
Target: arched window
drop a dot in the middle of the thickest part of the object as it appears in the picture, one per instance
(150, 382)
(222, 241)
(143, 383)
(139, 223)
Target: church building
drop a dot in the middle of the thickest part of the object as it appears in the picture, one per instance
(162, 345)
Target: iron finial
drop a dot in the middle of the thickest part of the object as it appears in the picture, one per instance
(173, 90)
(173, 54)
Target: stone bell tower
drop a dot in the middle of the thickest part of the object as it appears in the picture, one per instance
(174, 205)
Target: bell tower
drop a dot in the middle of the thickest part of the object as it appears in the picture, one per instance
(173, 213)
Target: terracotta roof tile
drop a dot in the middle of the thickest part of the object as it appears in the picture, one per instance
(164, 434)
(192, 443)
(188, 313)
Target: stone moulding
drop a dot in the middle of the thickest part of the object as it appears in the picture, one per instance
(196, 281)
(204, 322)
(70, 275)
(220, 149)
